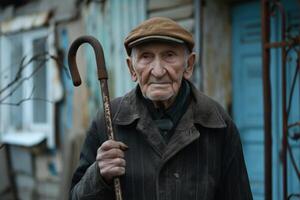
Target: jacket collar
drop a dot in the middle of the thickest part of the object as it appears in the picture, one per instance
(204, 110)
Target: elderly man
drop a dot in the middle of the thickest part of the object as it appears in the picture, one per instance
(173, 142)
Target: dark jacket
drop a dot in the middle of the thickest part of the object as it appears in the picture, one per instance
(203, 159)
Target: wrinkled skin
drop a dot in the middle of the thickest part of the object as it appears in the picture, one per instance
(159, 69)
(110, 158)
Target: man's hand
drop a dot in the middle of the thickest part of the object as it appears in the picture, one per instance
(110, 158)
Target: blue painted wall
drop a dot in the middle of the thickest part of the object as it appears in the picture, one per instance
(110, 22)
(248, 95)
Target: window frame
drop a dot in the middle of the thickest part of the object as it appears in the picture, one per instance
(28, 124)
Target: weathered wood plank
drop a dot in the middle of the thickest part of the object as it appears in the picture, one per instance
(124, 15)
(188, 24)
(162, 4)
(181, 12)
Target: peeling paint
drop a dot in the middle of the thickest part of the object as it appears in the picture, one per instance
(217, 52)
(26, 22)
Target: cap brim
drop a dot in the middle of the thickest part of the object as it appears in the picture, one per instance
(154, 38)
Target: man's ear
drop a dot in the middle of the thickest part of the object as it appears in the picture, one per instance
(190, 66)
(131, 69)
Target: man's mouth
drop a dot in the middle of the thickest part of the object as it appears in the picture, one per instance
(160, 83)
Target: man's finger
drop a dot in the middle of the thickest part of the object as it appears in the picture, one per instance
(112, 153)
(109, 144)
(117, 162)
(110, 172)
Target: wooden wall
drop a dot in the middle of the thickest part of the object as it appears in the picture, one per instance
(181, 11)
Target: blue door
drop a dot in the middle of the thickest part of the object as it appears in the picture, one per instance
(293, 21)
(247, 90)
(248, 95)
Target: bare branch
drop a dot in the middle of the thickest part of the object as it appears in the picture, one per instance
(18, 80)
(26, 99)
(21, 68)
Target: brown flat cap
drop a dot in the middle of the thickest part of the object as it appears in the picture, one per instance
(158, 29)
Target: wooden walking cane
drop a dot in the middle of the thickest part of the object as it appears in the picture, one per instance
(102, 77)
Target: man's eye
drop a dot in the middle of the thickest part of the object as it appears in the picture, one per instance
(170, 54)
(146, 56)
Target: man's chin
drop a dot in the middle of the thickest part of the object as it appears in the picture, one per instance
(159, 97)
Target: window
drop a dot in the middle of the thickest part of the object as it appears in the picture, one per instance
(35, 113)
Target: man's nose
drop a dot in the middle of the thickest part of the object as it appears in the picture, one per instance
(158, 69)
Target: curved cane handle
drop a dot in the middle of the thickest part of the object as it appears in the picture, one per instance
(102, 76)
(101, 67)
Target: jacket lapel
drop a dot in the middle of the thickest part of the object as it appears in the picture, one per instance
(131, 109)
(151, 133)
(201, 111)
(184, 134)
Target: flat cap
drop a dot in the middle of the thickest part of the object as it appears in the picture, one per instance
(158, 29)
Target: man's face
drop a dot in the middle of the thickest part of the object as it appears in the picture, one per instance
(159, 69)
